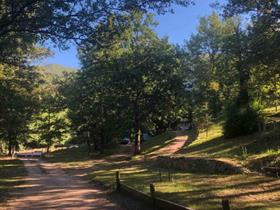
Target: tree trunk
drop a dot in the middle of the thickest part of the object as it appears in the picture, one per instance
(137, 141)
(1, 148)
(102, 142)
(137, 131)
(190, 117)
(88, 145)
(243, 95)
(10, 148)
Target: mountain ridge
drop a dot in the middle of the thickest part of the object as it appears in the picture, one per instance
(56, 69)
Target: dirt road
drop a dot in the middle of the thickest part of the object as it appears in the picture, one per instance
(50, 188)
(177, 144)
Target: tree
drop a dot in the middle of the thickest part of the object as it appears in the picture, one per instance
(18, 102)
(50, 124)
(209, 68)
(38, 21)
(131, 85)
(263, 30)
(222, 71)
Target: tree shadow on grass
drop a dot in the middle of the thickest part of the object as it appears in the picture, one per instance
(234, 147)
(12, 173)
(207, 195)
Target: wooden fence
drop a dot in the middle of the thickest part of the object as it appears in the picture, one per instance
(152, 199)
(268, 126)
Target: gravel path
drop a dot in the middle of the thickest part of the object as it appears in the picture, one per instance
(50, 188)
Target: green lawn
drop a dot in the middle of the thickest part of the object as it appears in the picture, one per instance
(12, 173)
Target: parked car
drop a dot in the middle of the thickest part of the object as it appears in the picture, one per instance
(125, 140)
(73, 146)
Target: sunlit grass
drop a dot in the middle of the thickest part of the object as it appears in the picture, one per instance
(214, 145)
(198, 191)
(271, 111)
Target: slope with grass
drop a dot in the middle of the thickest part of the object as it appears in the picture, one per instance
(198, 190)
(254, 151)
(195, 190)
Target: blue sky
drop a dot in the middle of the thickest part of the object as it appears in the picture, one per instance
(178, 27)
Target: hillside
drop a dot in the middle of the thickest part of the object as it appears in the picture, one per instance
(57, 69)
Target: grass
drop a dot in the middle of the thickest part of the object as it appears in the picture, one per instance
(69, 155)
(78, 154)
(199, 191)
(271, 111)
(245, 147)
(12, 173)
(204, 191)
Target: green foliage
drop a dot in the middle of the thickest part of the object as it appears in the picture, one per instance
(18, 102)
(130, 86)
(50, 124)
(209, 67)
(241, 120)
(24, 22)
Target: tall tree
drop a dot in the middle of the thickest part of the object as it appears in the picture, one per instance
(209, 67)
(18, 103)
(135, 80)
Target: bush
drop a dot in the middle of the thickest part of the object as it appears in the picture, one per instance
(241, 120)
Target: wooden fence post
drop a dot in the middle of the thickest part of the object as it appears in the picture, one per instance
(160, 177)
(118, 181)
(225, 204)
(260, 127)
(152, 191)
(169, 175)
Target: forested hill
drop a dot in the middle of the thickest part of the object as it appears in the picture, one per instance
(56, 69)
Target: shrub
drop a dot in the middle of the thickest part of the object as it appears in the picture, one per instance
(241, 120)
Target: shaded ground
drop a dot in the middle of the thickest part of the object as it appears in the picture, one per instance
(47, 187)
(12, 175)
